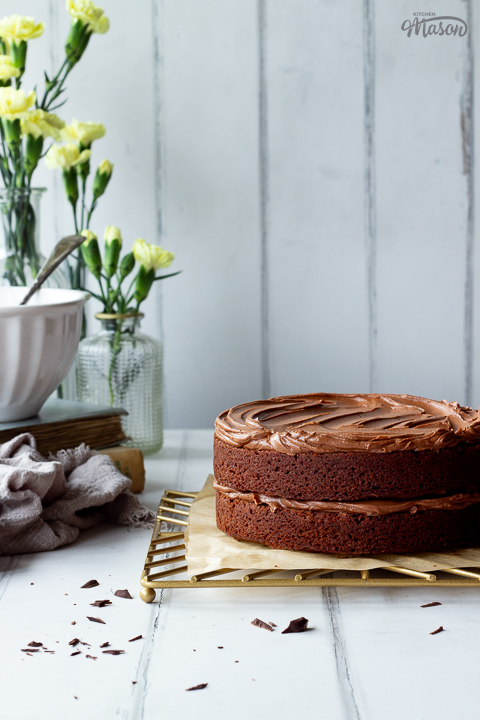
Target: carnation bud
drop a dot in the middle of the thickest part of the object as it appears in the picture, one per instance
(102, 178)
(91, 253)
(113, 245)
(126, 266)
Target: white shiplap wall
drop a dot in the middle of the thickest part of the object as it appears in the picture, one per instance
(312, 168)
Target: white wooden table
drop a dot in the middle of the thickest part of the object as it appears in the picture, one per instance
(369, 655)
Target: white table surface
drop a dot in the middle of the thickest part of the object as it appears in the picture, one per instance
(369, 655)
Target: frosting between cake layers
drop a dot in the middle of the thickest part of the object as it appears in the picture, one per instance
(362, 507)
(329, 422)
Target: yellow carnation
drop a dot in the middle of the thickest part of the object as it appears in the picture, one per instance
(7, 69)
(152, 257)
(88, 14)
(40, 123)
(14, 103)
(65, 156)
(17, 29)
(83, 132)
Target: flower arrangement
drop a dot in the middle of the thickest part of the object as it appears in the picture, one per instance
(121, 312)
(27, 122)
(111, 272)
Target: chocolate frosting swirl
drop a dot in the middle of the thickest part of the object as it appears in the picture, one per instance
(330, 422)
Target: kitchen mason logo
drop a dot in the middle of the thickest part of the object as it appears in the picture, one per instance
(428, 23)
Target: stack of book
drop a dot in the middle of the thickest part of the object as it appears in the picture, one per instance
(65, 424)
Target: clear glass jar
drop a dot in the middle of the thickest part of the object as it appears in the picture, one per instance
(122, 367)
(20, 256)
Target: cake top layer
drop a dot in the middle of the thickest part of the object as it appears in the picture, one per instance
(330, 422)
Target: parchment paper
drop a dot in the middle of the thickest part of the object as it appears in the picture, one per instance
(210, 549)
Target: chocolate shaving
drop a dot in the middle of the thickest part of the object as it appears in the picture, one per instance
(101, 603)
(432, 604)
(113, 652)
(77, 652)
(91, 657)
(90, 584)
(439, 629)
(52, 652)
(296, 626)
(99, 620)
(30, 650)
(139, 637)
(105, 644)
(35, 644)
(261, 624)
(197, 687)
(74, 642)
(123, 594)
(272, 623)
(220, 647)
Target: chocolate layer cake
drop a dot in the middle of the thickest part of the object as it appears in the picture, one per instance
(352, 474)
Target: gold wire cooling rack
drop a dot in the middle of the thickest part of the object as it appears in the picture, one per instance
(167, 552)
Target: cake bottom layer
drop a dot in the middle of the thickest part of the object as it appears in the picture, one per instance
(354, 534)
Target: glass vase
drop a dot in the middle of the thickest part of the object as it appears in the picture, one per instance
(122, 367)
(20, 256)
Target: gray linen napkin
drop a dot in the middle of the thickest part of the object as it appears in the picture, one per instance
(45, 503)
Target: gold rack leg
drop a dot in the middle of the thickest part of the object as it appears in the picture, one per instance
(365, 574)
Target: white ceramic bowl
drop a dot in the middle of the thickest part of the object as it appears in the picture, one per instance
(38, 343)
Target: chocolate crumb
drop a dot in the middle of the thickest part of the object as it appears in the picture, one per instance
(105, 644)
(296, 626)
(74, 642)
(35, 644)
(432, 604)
(52, 652)
(261, 624)
(220, 647)
(113, 652)
(91, 657)
(77, 652)
(94, 619)
(76, 698)
(439, 629)
(271, 623)
(30, 650)
(101, 603)
(236, 660)
(84, 643)
(90, 584)
(134, 682)
(32, 583)
(73, 623)
(139, 637)
(197, 687)
(123, 594)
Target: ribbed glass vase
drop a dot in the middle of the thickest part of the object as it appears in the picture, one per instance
(122, 367)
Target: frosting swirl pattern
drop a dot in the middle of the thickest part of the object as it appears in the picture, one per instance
(330, 422)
